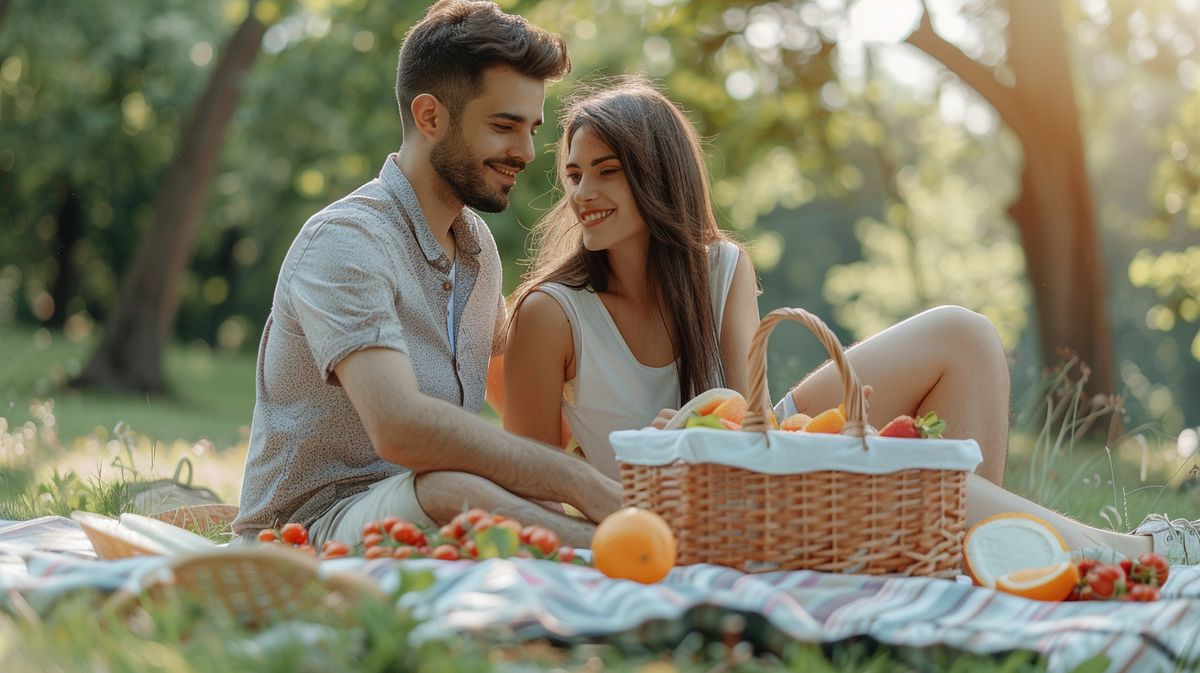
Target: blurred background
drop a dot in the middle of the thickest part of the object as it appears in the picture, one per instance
(1037, 161)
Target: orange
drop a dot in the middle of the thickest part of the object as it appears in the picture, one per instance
(795, 422)
(1051, 583)
(732, 409)
(634, 544)
(1009, 542)
(830, 421)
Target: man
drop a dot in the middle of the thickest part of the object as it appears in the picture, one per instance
(388, 307)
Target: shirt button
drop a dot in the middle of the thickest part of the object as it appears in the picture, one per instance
(447, 286)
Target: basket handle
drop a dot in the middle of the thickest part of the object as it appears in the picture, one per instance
(759, 402)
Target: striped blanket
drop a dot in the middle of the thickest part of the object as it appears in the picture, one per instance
(538, 599)
(522, 599)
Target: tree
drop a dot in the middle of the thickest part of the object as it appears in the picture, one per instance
(782, 56)
(1054, 211)
(130, 354)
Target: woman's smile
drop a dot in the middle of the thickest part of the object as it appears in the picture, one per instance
(590, 218)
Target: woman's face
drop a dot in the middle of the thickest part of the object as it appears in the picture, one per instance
(600, 195)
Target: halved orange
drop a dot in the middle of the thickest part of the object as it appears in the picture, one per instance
(830, 421)
(1008, 542)
(1050, 583)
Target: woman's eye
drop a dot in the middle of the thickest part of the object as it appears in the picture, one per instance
(573, 178)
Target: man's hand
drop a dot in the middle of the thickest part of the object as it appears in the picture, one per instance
(660, 421)
(602, 500)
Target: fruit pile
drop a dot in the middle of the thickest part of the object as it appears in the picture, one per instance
(832, 421)
(296, 536)
(1022, 554)
(1138, 579)
(721, 413)
(723, 409)
(473, 534)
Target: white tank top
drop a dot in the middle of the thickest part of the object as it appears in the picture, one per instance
(611, 389)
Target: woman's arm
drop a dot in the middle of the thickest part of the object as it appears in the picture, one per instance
(738, 324)
(537, 362)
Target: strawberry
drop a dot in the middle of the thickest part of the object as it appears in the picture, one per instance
(928, 426)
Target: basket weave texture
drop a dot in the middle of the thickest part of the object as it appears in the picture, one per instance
(905, 522)
(258, 585)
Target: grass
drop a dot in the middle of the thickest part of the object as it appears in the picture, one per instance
(62, 450)
(182, 637)
(213, 393)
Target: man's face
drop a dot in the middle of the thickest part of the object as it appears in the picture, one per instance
(492, 140)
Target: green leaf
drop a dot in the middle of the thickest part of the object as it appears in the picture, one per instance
(497, 542)
(931, 426)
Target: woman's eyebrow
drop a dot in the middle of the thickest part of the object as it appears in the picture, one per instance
(594, 161)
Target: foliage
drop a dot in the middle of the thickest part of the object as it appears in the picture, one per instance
(869, 181)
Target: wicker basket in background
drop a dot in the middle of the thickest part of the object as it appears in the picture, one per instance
(907, 522)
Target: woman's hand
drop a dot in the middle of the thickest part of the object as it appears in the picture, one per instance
(660, 421)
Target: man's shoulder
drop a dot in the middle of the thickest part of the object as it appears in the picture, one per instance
(360, 226)
(369, 209)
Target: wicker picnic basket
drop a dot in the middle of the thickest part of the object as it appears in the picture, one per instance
(762, 500)
(257, 584)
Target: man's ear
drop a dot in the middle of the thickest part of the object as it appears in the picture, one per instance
(431, 118)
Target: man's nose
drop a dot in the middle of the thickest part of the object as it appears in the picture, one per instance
(523, 149)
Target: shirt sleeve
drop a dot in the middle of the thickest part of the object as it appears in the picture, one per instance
(500, 332)
(339, 292)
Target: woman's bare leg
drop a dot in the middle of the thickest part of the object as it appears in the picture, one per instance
(444, 494)
(985, 499)
(947, 359)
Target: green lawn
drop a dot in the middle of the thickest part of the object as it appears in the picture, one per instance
(212, 395)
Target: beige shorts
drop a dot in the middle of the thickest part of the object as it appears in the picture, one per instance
(394, 496)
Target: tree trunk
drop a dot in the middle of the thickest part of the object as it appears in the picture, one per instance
(130, 355)
(69, 230)
(1054, 212)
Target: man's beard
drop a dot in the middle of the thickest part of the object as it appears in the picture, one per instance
(453, 162)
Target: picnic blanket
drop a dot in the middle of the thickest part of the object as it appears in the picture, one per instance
(526, 599)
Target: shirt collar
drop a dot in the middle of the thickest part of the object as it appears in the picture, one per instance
(466, 238)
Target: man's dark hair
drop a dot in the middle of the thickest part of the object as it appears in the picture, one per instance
(447, 53)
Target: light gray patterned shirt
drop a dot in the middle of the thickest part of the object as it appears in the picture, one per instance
(364, 272)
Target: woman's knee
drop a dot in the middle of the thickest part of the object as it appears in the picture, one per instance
(966, 332)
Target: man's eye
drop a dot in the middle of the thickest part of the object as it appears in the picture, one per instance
(502, 128)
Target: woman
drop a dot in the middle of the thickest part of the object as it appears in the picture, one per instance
(636, 301)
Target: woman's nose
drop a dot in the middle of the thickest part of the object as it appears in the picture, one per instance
(584, 191)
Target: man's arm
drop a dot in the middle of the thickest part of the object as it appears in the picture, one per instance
(426, 434)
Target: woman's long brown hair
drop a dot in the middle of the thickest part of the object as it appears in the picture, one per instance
(660, 152)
